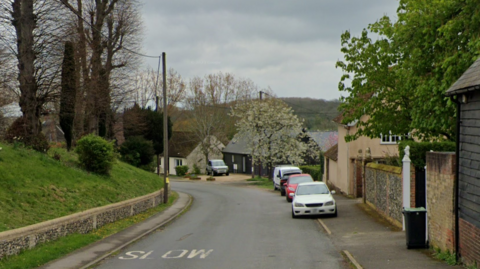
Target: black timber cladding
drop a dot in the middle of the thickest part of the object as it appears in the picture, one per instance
(469, 158)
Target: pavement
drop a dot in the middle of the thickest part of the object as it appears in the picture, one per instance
(369, 241)
(362, 235)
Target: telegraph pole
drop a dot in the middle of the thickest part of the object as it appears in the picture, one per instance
(165, 131)
(156, 109)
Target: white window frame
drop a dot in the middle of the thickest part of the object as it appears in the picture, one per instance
(178, 162)
(392, 139)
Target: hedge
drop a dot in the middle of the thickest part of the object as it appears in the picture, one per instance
(314, 170)
(418, 150)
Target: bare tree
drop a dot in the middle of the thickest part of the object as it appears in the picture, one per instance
(108, 32)
(209, 101)
(31, 32)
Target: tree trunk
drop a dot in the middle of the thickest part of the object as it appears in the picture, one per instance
(24, 23)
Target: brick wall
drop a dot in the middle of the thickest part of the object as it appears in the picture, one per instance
(441, 199)
(14, 241)
(469, 242)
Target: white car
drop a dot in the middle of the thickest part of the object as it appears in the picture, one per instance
(313, 198)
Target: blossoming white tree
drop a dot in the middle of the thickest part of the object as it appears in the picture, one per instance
(273, 132)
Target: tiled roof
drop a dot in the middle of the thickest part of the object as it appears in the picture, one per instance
(322, 138)
(469, 81)
(237, 145)
(332, 153)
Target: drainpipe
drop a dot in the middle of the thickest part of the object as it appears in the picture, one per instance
(457, 181)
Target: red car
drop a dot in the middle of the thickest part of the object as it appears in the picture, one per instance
(292, 182)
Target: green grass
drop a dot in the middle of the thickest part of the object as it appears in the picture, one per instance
(261, 182)
(50, 251)
(35, 187)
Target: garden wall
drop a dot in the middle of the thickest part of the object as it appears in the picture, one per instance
(383, 190)
(14, 241)
(441, 200)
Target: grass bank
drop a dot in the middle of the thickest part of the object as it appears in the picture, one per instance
(36, 187)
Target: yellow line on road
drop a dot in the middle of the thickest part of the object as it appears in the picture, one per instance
(352, 259)
(324, 226)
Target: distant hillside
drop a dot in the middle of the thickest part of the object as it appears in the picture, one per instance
(317, 113)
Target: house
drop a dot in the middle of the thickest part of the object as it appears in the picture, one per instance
(340, 159)
(52, 131)
(237, 156)
(184, 149)
(466, 93)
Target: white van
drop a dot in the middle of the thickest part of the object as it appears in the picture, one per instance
(281, 172)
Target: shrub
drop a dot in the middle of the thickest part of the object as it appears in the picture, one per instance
(418, 150)
(18, 134)
(314, 170)
(196, 169)
(137, 151)
(181, 170)
(95, 154)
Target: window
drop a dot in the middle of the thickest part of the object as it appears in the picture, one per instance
(391, 139)
(233, 158)
(178, 162)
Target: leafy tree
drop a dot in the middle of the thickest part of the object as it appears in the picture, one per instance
(154, 132)
(137, 151)
(271, 129)
(68, 93)
(400, 79)
(134, 122)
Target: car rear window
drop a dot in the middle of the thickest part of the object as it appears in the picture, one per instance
(218, 163)
(312, 189)
(296, 180)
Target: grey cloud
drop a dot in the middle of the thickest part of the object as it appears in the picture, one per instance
(274, 42)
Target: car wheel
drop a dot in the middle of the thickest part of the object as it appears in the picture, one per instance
(336, 212)
(227, 174)
(282, 193)
(293, 214)
(214, 173)
(274, 187)
(289, 200)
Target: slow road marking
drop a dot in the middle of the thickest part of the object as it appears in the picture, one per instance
(172, 254)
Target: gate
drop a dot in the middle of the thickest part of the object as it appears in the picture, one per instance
(420, 187)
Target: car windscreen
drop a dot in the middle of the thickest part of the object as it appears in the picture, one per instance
(218, 163)
(312, 189)
(300, 179)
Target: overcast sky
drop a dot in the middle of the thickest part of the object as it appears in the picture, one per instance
(291, 46)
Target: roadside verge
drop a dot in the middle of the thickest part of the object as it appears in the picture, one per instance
(94, 253)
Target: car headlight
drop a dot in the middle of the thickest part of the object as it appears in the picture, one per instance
(329, 203)
(298, 205)
(291, 189)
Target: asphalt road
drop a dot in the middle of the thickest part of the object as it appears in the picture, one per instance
(232, 227)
